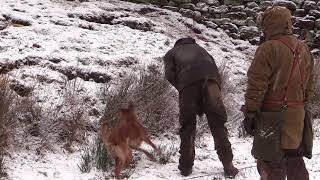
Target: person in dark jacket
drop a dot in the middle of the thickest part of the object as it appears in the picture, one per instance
(194, 73)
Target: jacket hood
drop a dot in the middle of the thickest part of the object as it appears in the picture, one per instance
(183, 41)
(276, 21)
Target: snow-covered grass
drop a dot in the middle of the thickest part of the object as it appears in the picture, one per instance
(95, 42)
(58, 166)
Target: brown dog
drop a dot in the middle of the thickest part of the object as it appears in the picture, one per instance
(127, 135)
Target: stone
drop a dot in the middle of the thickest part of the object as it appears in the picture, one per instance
(239, 23)
(257, 9)
(3, 25)
(298, 2)
(233, 2)
(210, 24)
(236, 8)
(201, 5)
(252, 5)
(171, 8)
(255, 41)
(186, 12)
(309, 36)
(316, 52)
(315, 13)
(309, 5)
(305, 24)
(249, 32)
(2, 18)
(203, 10)
(250, 22)
(231, 28)
(211, 2)
(171, 4)
(250, 12)
(237, 15)
(318, 5)
(187, 6)
(300, 13)
(248, 1)
(197, 15)
(221, 21)
(316, 41)
(310, 17)
(182, 1)
(288, 4)
(234, 35)
(218, 10)
(317, 24)
(265, 4)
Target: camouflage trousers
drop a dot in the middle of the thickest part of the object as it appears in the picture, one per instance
(196, 99)
(292, 167)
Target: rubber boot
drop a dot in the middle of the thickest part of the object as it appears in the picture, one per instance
(229, 170)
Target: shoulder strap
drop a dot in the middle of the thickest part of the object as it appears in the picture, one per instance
(296, 50)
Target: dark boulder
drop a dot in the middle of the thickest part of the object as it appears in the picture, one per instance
(265, 4)
(236, 8)
(309, 5)
(250, 32)
(187, 6)
(252, 5)
(250, 12)
(237, 15)
(230, 28)
(210, 24)
(233, 2)
(317, 24)
(300, 13)
(288, 4)
(305, 24)
(219, 10)
(211, 2)
(315, 13)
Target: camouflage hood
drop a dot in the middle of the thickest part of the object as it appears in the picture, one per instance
(276, 21)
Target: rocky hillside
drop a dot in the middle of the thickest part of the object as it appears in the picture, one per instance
(238, 17)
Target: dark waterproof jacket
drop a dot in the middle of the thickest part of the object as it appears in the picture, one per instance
(187, 63)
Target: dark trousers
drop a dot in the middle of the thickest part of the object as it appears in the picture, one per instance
(292, 167)
(196, 99)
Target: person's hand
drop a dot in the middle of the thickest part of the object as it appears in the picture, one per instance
(248, 121)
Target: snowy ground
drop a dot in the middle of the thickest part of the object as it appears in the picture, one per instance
(61, 166)
(97, 41)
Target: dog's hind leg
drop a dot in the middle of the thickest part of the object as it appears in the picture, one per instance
(149, 155)
(118, 168)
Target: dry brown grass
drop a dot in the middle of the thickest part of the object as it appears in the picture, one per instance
(7, 118)
(155, 99)
(70, 119)
(63, 122)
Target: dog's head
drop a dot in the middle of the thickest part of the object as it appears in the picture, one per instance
(128, 111)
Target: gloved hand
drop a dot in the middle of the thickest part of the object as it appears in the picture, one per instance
(248, 121)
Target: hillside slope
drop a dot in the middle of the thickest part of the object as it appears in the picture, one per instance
(46, 45)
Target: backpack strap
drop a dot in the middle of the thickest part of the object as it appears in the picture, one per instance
(296, 50)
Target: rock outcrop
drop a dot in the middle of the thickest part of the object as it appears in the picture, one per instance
(238, 17)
